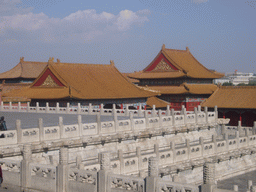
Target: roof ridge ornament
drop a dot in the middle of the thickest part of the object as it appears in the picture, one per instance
(187, 49)
(51, 60)
(58, 60)
(21, 59)
(112, 63)
(163, 46)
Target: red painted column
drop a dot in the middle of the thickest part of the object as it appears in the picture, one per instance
(122, 106)
(224, 115)
(240, 117)
(186, 105)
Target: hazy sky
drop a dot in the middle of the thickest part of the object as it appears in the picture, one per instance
(221, 34)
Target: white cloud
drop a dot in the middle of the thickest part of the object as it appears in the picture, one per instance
(83, 25)
(199, 1)
(9, 7)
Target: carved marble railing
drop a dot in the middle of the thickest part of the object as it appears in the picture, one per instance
(116, 130)
(137, 161)
(85, 110)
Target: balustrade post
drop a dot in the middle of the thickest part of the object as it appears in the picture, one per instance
(62, 171)
(151, 179)
(146, 119)
(173, 117)
(57, 107)
(78, 108)
(25, 172)
(239, 127)
(216, 113)
(254, 128)
(10, 106)
(188, 148)
(154, 111)
(156, 150)
(114, 109)
(41, 129)
(138, 154)
(62, 131)
(235, 187)
(140, 112)
(249, 185)
(101, 109)
(28, 107)
(201, 142)
(103, 184)
(19, 131)
(182, 109)
(196, 115)
(90, 110)
(214, 143)
(172, 146)
(68, 108)
(199, 108)
(47, 108)
(226, 140)
(132, 121)
(185, 115)
(237, 138)
(223, 129)
(126, 110)
(206, 114)
(98, 120)
(121, 159)
(160, 118)
(2, 106)
(80, 125)
(37, 107)
(19, 106)
(115, 120)
(168, 112)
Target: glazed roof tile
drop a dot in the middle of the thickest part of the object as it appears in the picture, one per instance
(238, 97)
(84, 81)
(185, 89)
(24, 69)
(159, 103)
(183, 61)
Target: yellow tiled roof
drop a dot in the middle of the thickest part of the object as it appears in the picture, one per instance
(159, 103)
(184, 61)
(24, 69)
(84, 81)
(239, 97)
(200, 88)
(185, 89)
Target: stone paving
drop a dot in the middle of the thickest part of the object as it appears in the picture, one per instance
(240, 180)
(30, 120)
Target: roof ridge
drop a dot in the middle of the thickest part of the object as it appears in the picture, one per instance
(176, 50)
(55, 63)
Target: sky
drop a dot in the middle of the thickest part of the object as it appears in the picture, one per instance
(221, 34)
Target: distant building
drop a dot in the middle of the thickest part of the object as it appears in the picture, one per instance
(178, 77)
(236, 78)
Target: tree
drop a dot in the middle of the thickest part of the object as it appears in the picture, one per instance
(227, 84)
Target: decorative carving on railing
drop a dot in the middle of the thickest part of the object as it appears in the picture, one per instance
(126, 183)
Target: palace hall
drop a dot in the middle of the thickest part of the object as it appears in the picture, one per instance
(178, 77)
(80, 83)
